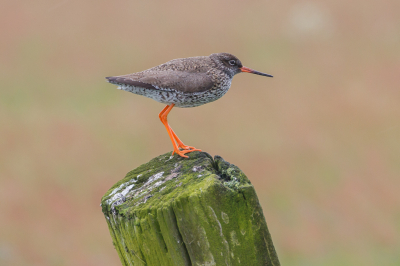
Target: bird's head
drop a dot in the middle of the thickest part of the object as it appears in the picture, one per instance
(231, 65)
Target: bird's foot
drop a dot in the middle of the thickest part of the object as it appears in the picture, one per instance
(183, 152)
(185, 147)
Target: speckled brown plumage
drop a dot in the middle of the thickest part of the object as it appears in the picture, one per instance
(185, 82)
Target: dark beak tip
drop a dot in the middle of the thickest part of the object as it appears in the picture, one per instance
(262, 74)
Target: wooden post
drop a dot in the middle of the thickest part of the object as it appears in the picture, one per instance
(195, 211)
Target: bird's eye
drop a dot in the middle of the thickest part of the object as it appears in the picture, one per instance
(232, 62)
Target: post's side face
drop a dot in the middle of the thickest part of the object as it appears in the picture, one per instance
(196, 211)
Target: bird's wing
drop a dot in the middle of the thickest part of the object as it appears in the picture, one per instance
(166, 80)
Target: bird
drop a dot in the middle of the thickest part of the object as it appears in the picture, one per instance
(184, 82)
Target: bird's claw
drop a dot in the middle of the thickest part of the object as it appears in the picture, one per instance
(183, 149)
(182, 152)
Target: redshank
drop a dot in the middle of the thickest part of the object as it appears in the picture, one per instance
(184, 82)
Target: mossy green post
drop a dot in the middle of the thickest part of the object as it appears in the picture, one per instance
(196, 211)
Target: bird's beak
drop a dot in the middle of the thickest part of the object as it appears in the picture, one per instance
(249, 70)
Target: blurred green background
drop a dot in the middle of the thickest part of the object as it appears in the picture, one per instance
(320, 141)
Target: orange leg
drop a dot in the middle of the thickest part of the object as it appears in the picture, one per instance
(180, 143)
(186, 149)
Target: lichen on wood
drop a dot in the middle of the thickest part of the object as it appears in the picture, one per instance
(194, 211)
